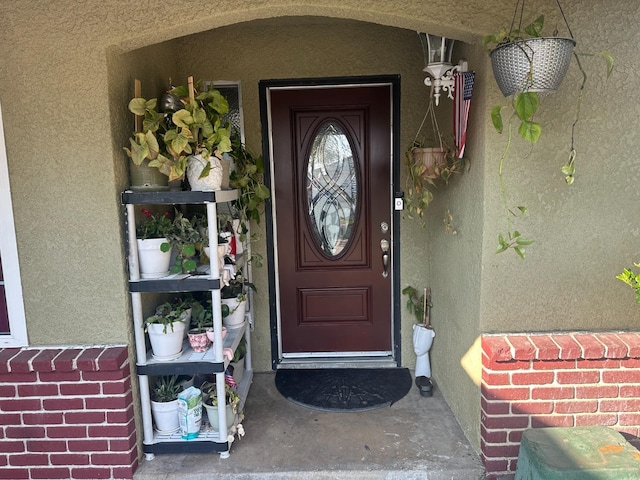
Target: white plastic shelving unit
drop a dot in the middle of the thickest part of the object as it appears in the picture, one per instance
(189, 363)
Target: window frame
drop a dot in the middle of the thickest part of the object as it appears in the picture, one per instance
(17, 336)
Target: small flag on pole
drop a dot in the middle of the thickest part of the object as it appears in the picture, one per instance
(462, 100)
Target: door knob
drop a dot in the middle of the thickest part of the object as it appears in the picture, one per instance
(384, 246)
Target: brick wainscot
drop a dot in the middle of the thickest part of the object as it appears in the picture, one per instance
(66, 413)
(555, 380)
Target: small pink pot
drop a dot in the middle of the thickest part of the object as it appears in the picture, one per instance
(198, 340)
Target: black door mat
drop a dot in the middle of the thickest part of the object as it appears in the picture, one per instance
(344, 389)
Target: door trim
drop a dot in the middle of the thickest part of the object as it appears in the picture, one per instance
(265, 86)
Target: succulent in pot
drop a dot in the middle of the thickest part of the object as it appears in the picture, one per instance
(164, 403)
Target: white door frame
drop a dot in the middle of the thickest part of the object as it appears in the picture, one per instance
(9, 257)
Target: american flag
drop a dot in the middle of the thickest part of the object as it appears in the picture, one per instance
(462, 100)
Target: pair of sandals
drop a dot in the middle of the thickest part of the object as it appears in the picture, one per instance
(425, 386)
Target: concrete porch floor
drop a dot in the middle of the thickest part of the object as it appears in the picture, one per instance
(416, 438)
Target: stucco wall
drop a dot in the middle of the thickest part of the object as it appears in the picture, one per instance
(64, 84)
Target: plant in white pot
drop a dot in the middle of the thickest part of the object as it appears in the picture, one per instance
(186, 137)
(166, 329)
(154, 249)
(197, 138)
(210, 402)
(234, 297)
(164, 403)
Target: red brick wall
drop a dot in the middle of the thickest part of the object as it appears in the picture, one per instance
(66, 413)
(555, 380)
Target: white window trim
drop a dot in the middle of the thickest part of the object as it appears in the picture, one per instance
(9, 257)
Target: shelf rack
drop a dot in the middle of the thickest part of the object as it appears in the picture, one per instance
(210, 362)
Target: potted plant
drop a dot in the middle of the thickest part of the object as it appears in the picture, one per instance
(201, 322)
(428, 168)
(234, 297)
(196, 138)
(154, 249)
(187, 136)
(164, 403)
(144, 147)
(428, 162)
(210, 402)
(423, 334)
(632, 279)
(248, 178)
(527, 65)
(236, 366)
(166, 329)
(185, 235)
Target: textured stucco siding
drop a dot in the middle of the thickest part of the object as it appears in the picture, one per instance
(67, 74)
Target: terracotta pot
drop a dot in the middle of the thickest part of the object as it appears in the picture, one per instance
(430, 158)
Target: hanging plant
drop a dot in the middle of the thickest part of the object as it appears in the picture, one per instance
(426, 165)
(527, 66)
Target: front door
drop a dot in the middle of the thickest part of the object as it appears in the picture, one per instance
(331, 165)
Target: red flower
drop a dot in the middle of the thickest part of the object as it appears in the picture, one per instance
(146, 213)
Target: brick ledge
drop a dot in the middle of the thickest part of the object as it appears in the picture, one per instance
(561, 346)
(63, 359)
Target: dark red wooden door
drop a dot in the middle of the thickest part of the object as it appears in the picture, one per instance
(331, 150)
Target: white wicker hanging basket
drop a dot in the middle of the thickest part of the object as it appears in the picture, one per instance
(548, 59)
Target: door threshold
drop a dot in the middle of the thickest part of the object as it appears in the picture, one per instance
(338, 362)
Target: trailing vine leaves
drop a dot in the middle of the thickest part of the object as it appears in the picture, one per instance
(631, 278)
(524, 106)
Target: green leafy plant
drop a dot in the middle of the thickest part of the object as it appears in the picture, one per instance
(237, 288)
(144, 145)
(194, 127)
(154, 225)
(166, 389)
(210, 395)
(523, 106)
(185, 235)
(248, 178)
(168, 313)
(632, 279)
(201, 316)
(428, 169)
(416, 303)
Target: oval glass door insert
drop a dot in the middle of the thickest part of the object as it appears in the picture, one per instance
(332, 190)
